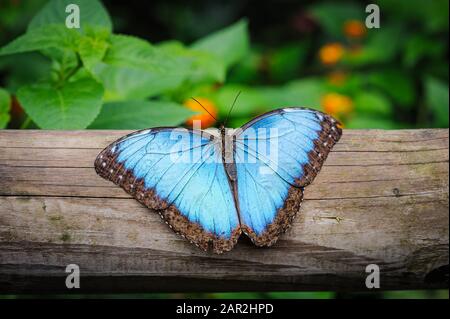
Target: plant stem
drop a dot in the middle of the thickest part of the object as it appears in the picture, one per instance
(25, 123)
(75, 69)
(62, 78)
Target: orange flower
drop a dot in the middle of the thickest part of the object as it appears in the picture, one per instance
(331, 53)
(354, 29)
(337, 105)
(205, 119)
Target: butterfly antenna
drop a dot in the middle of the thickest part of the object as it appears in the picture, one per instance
(231, 109)
(204, 108)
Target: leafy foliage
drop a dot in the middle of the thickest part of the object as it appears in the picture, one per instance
(230, 45)
(93, 67)
(437, 101)
(139, 115)
(71, 106)
(392, 77)
(134, 69)
(204, 66)
(50, 36)
(5, 105)
(54, 12)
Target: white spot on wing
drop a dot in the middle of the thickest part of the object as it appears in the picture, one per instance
(142, 133)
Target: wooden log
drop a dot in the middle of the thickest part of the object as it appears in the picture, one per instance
(381, 198)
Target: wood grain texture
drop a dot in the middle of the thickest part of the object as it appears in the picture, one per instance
(381, 197)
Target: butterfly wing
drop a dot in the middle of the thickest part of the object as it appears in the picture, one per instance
(277, 154)
(178, 173)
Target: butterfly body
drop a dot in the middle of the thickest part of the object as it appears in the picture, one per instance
(210, 186)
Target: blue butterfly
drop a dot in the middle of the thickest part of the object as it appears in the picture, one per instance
(209, 186)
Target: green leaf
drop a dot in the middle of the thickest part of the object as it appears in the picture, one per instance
(5, 106)
(372, 122)
(372, 103)
(250, 100)
(238, 121)
(285, 62)
(351, 83)
(437, 100)
(307, 92)
(376, 51)
(302, 295)
(205, 67)
(134, 69)
(46, 37)
(15, 15)
(92, 13)
(24, 69)
(72, 106)
(429, 15)
(419, 46)
(140, 114)
(230, 44)
(92, 48)
(255, 100)
(248, 69)
(397, 84)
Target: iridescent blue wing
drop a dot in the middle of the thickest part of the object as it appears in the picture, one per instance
(277, 154)
(180, 174)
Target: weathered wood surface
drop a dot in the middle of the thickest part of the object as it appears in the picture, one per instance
(382, 197)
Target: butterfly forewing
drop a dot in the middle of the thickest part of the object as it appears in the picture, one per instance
(180, 174)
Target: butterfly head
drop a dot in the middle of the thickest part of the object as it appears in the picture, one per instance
(222, 125)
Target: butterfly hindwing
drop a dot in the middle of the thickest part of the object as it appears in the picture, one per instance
(277, 155)
(180, 174)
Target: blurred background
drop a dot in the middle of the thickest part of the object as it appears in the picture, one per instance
(317, 54)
